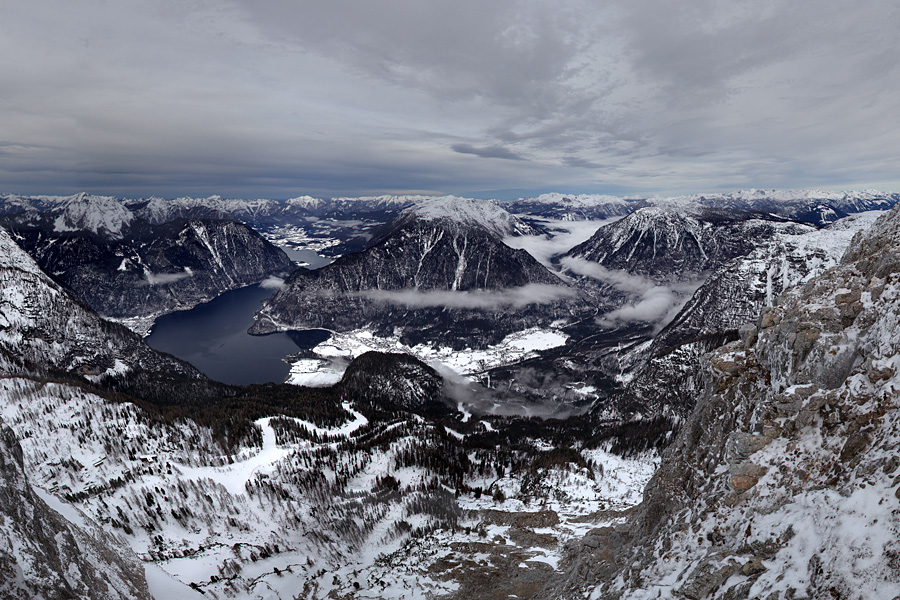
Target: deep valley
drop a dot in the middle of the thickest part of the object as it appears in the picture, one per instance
(415, 397)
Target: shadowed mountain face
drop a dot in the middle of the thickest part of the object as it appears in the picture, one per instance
(394, 382)
(672, 244)
(43, 330)
(433, 278)
(157, 268)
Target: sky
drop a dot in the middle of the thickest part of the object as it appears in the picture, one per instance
(507, 98)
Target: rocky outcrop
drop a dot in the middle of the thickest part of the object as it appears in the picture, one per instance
(43, 555)
(393, 382)
(783, 482)
(733, 295)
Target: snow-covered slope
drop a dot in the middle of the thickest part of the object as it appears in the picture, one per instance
(783, 482)
(468, 212)
(43, 330)
(306, 507)
(43, 555)
(102, 215)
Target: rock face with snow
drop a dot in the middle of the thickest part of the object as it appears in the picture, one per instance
(42, 555)
(672, 244)
(783, 482)
(157, 268)
(733, 295)
(43, 330)
(466, 212)
(435, 278)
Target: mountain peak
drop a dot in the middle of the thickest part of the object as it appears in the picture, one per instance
(480, 214)
(98, 214)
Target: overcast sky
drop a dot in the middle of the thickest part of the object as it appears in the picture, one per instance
(491, 98)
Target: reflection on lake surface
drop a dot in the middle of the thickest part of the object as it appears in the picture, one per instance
(213, 337)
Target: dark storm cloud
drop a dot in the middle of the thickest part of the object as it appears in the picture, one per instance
(280, 98)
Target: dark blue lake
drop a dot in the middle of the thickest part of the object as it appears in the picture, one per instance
(213, 337)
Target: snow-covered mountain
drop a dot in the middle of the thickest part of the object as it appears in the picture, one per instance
(398, 483)
(812, 206)
(678, 243)
(668, 377)
(156, 269)
(575, 207)
(782, 483)
(473, 214)
(438, 272)
(45, 331)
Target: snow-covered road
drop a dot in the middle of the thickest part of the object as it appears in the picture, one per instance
(235, 476)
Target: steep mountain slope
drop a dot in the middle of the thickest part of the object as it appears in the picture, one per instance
(783, 481)
(639, 272)
(677, 244)
(732, 296)
(42, 555)
(43, 330)
(155, 269)
(441, 276)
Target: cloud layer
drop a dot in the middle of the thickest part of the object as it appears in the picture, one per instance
(280, 98)
(652, 303)
(534, 293)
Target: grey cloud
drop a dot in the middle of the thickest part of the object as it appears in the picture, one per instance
(282, 98)
(657, 305)
(581, 163)
(564, 235)
(487, 151)
(621, 280)
(272, 283)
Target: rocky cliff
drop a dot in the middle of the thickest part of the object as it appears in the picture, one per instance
(668, 376)
(43, 555)
(783, 482)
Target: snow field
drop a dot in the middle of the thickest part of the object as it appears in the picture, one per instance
(340, 348)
